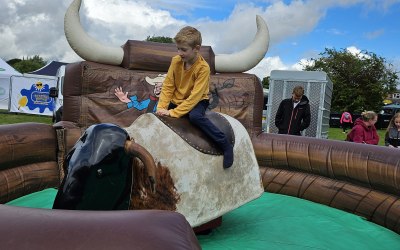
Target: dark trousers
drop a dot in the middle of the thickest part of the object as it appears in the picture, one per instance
(198, 118)
(346, 125)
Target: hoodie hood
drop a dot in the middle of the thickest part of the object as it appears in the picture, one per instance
(360, 122)
(304, 100)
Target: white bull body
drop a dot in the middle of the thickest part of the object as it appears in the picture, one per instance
(206, 190)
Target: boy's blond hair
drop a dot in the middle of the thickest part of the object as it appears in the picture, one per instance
(298, 91)
(188, 35)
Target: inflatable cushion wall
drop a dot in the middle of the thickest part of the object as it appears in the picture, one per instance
(357, 178)
(28, 160)
(153, 56)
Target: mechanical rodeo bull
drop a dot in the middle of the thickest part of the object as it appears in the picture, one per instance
(189, 175)
(360, 179)
(189, 164)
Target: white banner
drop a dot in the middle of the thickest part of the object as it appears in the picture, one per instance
(30, 94)
(4, 92)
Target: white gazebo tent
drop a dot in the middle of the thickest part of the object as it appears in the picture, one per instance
(6, 71)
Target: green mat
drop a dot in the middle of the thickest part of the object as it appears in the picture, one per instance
(277, 222)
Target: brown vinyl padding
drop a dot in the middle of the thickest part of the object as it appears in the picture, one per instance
(357, 178)
(369, 166)
(153, 56)
(28, 159)
(27, 179)
(378, 207)
(88, 95)
(74, 229)
(26, 143)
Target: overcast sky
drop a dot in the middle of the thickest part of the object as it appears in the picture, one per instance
(299, 30)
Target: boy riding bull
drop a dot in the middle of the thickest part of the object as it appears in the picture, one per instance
(186, 86)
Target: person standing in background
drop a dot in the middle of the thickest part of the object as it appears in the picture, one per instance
(364, 130)
(392, 135)
(346, 120)
(293, 115)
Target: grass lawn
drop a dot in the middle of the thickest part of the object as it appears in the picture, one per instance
(11, 118)
(8, 118)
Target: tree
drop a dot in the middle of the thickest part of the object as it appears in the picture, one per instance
(159, 39)
(265, 82)
(27, 65)
(360, 81)
(13, 61)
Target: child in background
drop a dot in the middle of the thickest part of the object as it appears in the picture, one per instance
(346, 120)
(392, 136)
(364, 130)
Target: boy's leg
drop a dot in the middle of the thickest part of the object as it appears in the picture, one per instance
(197, 117)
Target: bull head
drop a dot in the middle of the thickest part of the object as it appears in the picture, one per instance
(91, 50)
(98, 170)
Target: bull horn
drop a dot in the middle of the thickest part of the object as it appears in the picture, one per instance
(134, 149)
(249, 57)
(84, 45)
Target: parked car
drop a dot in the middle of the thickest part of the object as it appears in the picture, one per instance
(387, 113)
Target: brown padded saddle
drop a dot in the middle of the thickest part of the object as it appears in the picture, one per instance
(197, 138)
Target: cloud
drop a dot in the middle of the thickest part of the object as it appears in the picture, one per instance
(357, 52)
(264, 68)
(336, 32)
(36, 27)
(374, 34)
(31, 28)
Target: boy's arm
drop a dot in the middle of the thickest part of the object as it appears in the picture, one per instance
(201, 86)
(168, 88)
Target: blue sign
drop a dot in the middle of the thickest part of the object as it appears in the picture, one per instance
(37, 97)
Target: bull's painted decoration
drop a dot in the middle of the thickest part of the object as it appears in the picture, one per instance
(150, 104)
(36, 97)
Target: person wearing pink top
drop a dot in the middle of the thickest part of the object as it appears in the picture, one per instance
(346, 120)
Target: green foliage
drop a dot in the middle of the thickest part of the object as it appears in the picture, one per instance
(265, 82)
(28, 64)
(360, 82)
(159, 39)
(13, 61)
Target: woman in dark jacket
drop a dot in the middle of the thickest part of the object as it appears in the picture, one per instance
(293, 115)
